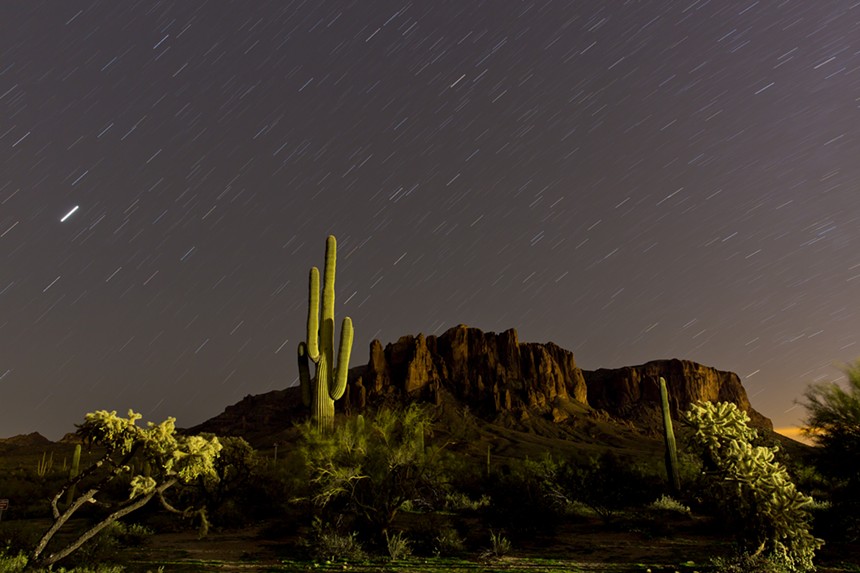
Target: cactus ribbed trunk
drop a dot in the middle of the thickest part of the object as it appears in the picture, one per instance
(669, 438)
(73, 473)
(323, 404)
(329, 383)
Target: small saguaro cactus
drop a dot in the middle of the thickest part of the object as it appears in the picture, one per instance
(669, 437)
(73, 473)
(330, 381)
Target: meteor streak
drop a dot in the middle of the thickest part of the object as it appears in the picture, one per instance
(69, 214)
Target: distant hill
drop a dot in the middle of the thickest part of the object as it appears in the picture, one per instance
(506, 386)
(32, 440)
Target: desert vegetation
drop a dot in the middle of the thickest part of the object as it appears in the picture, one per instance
(394, 487)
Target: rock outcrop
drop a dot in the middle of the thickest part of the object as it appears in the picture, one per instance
(495, 373)
(633, 392)
(491, 372)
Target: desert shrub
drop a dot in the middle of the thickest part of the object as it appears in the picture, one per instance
(526, 497)
(235, 495)
(17, 563)
(11, 562)
(833, 421)
(370, 468)
(448, 543)
(398, 546)
(748, 563)
(609, 483)
(755, 493)
(459, 501)
(106, 547)
(499, 546)
(327, 543)
(668, 504)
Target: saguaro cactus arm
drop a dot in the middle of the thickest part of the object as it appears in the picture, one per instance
(343, 352)
(304, 374)
(313, 315)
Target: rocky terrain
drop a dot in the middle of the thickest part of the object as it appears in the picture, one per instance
(498, 378)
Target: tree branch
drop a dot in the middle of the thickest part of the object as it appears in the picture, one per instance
(137, 504)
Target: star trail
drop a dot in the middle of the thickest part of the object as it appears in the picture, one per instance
(630, 180)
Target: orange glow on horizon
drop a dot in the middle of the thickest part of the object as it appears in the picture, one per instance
(794, 433)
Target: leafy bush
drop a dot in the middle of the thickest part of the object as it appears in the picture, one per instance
(833, 421)
(756, 493)
(371, 468)
(12, 563)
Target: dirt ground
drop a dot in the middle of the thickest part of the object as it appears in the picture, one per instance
(583, 547)
(578, 547)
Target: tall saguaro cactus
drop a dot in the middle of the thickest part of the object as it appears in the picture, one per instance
(330, 381)
(669, 437)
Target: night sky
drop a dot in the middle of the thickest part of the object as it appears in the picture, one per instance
(630, 180)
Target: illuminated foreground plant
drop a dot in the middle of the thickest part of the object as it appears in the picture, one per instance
(329, 383)
(172, 459)
(770, 513)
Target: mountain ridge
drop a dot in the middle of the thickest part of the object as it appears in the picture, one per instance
(498, 378)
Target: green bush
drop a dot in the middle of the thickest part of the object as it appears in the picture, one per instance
(669, 504)
(747, 563)
(327, 543)
(12, 563)
(369, 469)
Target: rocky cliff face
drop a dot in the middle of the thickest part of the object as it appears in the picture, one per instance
(496, 373)
(633, 392)
(491, 372)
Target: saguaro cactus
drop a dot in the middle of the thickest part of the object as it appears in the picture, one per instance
(73, 473)
(669, 437)
(330, 381)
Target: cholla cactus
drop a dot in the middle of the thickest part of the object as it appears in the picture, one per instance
(765, 501)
